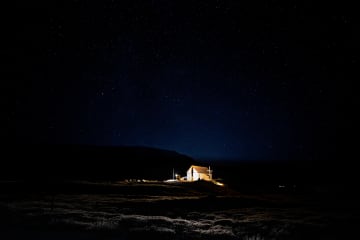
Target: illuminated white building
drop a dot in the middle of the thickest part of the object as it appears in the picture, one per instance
(196, 173)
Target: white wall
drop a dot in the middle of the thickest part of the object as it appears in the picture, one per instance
(196, 176)
(188, 175)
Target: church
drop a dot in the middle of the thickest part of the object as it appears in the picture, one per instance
(196, 173)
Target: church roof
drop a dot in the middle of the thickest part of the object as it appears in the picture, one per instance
(200, 169)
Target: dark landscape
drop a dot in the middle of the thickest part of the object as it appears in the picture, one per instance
(124, 203)
(167, 119)
(119, 210)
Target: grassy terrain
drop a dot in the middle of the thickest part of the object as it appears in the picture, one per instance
(134, 210)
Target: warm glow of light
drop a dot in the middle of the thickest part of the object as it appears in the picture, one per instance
(219, 183)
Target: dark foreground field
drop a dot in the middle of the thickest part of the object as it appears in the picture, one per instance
(157, 210)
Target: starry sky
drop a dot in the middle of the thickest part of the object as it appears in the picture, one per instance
(222, 80)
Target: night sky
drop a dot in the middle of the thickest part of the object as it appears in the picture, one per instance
(222, 80)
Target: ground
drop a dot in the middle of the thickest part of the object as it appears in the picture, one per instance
(134, 210)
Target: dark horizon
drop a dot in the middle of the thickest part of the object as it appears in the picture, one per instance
(46, 147)
(81, 162)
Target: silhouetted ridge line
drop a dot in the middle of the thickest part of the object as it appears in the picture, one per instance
(85, 161)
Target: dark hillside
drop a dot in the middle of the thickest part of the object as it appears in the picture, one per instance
(91, 162)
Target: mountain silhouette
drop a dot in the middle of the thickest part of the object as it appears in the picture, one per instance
(92, 162)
